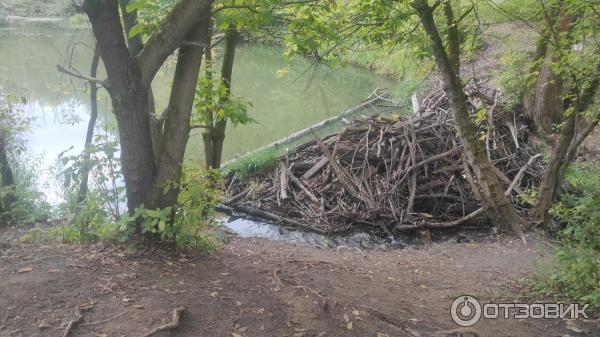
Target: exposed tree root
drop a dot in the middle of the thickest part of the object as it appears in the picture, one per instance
(174, 324)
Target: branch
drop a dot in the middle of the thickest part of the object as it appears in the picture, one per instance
(171, 34)
(255, 8)
(200, 127)
(81, 76)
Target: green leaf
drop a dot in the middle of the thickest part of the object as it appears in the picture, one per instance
(137, 29)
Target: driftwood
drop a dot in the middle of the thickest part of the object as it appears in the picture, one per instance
(387, 175)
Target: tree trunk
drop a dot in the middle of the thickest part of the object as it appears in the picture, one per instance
(8, 180)
(218, 131)
(5, 170)
(206, 135)
(545, 106)
(129, 79)
(129, 96)
(502, 211)
(177, 123)
(551, 180)
(564, 153)
(83, 185)
(543, 103)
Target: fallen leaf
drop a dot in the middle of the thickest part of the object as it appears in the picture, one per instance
(381, 334)
(349, 326)
(127, 300)
(137, 306)
(25, 270)
(214, 294)
(233, 334)
(53, 270)
(243, 329)
(355, 312)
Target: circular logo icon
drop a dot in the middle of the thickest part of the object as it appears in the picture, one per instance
(465, 310)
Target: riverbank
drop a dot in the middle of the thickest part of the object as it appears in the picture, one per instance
(37, 8)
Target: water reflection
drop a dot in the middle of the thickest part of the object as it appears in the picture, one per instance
(304, 95)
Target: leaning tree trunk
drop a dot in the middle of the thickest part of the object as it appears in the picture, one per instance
(83, 185)
(218, 131)
(565, 152)
(492, 195)
(176, 127)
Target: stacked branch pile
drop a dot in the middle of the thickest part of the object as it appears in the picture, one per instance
(386, 175)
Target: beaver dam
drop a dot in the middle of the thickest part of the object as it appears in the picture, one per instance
(386, 175)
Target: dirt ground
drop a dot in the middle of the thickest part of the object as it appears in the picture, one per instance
(254, 287)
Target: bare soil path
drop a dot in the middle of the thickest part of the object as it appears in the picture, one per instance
(254, 287)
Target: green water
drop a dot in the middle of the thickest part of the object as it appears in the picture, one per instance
(306, 94)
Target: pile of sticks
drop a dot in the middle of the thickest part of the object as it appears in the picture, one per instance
(385, 175)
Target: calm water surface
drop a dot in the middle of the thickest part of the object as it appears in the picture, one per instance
(306, 94)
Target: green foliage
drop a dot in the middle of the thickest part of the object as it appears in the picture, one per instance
(22, 202)
(102, 207)
(186, 224)
(62, 233)
(510, 77)
(29, 202)
(209, 98)
(150, 14)
(253, 163)
(576, 270)
(13, 125)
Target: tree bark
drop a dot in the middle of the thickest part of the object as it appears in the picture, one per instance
(565, 152)
(83, 185)
(5, 170)
(218, 133)
(176, 127)
(206, 135)
(543, 103)
(502, 211)
(129, 96)
(129, 80)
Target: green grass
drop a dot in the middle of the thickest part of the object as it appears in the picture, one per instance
(251, 164)
(508, 10)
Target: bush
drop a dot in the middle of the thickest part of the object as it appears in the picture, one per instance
(576, 269)
(511, 76)
(186, 224)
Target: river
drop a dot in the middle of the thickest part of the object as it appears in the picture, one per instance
(304, 95)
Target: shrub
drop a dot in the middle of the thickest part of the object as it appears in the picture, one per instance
(576, 269)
